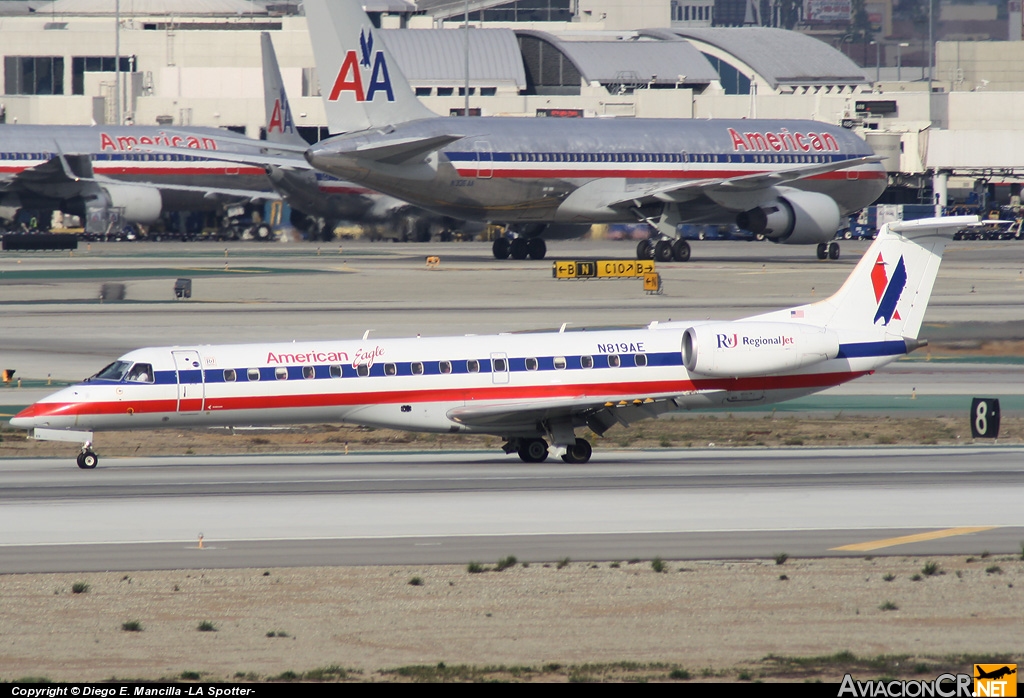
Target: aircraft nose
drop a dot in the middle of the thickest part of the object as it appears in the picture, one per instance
(26, 419)
(31, 417)
(44, 413)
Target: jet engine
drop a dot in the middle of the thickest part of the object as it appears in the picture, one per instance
(798, 218)
(740, 349)
(138, 204)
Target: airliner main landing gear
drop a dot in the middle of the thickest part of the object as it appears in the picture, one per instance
(664, 245)
(519, 247)
(578, 452)
(828, 250)
(663, 250)
(535, 450)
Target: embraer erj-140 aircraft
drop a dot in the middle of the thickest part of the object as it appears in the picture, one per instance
(534, 389)
(791, 181)
(92, 171)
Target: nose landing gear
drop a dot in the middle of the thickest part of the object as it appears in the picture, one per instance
(87, 459)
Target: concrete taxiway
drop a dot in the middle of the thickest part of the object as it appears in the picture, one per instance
(455, 507)
(54, 323)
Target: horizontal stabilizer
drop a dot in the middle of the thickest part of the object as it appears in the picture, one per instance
(402, 151)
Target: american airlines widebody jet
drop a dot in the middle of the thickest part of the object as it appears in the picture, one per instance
(534, 390)
(791, 181)
(96, 171)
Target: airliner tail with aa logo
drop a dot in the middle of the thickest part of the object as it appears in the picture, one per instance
(359, 75)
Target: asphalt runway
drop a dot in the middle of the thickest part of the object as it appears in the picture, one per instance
(452, 507)
(455, 507)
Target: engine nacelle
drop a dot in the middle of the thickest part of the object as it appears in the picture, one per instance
(738, 349)
(798, 218)
(140, 204)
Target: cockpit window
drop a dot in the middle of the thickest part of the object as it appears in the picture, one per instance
(113, 372)
(141, 373)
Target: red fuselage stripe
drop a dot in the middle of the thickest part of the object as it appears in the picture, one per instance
(584, 173)
(468, 394)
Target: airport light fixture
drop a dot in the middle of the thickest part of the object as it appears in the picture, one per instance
(899, 60)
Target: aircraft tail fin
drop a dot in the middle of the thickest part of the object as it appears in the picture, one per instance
(279, 122)
(360, 82)
(888, 291)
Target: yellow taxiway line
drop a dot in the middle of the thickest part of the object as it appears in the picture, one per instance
(916, 538)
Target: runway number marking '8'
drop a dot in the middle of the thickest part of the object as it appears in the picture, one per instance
(985, 418)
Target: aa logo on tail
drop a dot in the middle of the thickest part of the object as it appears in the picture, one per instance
(888, 289)
(281, 116)
(350, 74)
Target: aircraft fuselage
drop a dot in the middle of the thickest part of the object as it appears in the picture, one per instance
(525, 169)
(118, 152)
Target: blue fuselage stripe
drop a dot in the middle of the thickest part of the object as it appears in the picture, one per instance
(859, 350)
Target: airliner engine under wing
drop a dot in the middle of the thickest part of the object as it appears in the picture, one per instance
(534, 389)
(90, 171)
(791, 181)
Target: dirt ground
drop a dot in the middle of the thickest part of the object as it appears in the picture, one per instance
(584, 621)
(813, 618)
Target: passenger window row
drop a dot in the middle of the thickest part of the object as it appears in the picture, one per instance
(416, 368)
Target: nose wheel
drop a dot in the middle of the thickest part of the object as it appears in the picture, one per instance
(87, 459)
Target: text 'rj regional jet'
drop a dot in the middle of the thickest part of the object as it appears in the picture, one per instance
(535, 389)
(791, 181)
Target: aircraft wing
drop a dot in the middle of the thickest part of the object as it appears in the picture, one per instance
(212, 192)
(60, 169)
(686, 191)
(258, 159)
(245, 142)
(599, 413)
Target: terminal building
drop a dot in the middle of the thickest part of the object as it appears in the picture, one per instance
(197, 62)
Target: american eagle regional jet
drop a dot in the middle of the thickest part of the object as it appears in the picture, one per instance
(791, 181)
(536, 389)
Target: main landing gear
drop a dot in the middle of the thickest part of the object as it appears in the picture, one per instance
(663, 250)
(535, 450)
(519, 248)
(828, 250)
